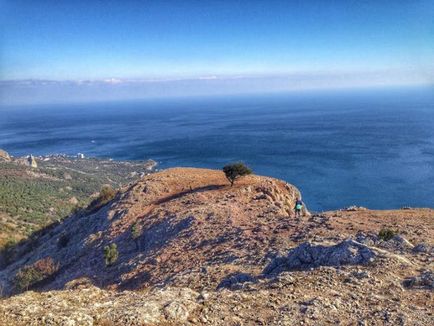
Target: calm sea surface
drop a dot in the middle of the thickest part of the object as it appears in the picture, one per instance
(374, 149)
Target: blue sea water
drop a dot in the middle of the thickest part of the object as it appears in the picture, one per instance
(369, 148)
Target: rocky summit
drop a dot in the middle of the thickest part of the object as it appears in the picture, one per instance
(183, 247)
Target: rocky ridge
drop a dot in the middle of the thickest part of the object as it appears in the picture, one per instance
(208, 253)
(188, 213)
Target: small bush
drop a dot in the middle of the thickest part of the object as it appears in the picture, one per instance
(135, 231)
(32, 274)
(106, 194)
(111, 254)
(135, 234)
(387, 234)
(235, 171)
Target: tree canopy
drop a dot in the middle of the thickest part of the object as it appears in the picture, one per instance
(236, 170)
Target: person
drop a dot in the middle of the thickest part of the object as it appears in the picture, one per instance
(298, 207)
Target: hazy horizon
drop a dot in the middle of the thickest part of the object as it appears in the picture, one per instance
(91, 51)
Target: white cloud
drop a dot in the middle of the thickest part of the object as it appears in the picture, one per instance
(208, 78)
(112, 81)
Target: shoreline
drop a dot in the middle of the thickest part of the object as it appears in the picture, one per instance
(153, 165)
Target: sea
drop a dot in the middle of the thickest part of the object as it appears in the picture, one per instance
(370, 147)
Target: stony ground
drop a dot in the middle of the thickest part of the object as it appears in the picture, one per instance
(211, 254)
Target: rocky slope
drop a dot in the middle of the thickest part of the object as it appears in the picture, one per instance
(188, 220)
(193, 250)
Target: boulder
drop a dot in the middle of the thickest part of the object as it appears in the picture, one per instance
(397, 243)
(307, 255)
(236, 281)
(401, 242)
(422, 248)
(424, 280)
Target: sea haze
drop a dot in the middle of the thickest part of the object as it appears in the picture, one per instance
(369, 148)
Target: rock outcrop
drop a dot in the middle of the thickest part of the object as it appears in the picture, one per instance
(424, 280)
(396, 243)
(306, 255)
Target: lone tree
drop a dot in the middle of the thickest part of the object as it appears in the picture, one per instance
(236, 170)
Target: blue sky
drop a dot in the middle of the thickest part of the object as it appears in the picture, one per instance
(165, 44)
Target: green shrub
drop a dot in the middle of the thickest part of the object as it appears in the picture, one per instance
(387, 234)
(135, 234)
(111, 254)
(135, 231)
(32, 274)
(236, 170)
(106, 194)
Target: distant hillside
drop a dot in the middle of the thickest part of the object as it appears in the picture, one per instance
(31, 198)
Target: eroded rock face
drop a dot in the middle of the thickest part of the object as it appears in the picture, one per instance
(307, 255)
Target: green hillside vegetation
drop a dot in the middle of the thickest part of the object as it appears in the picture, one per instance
(33, 198)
